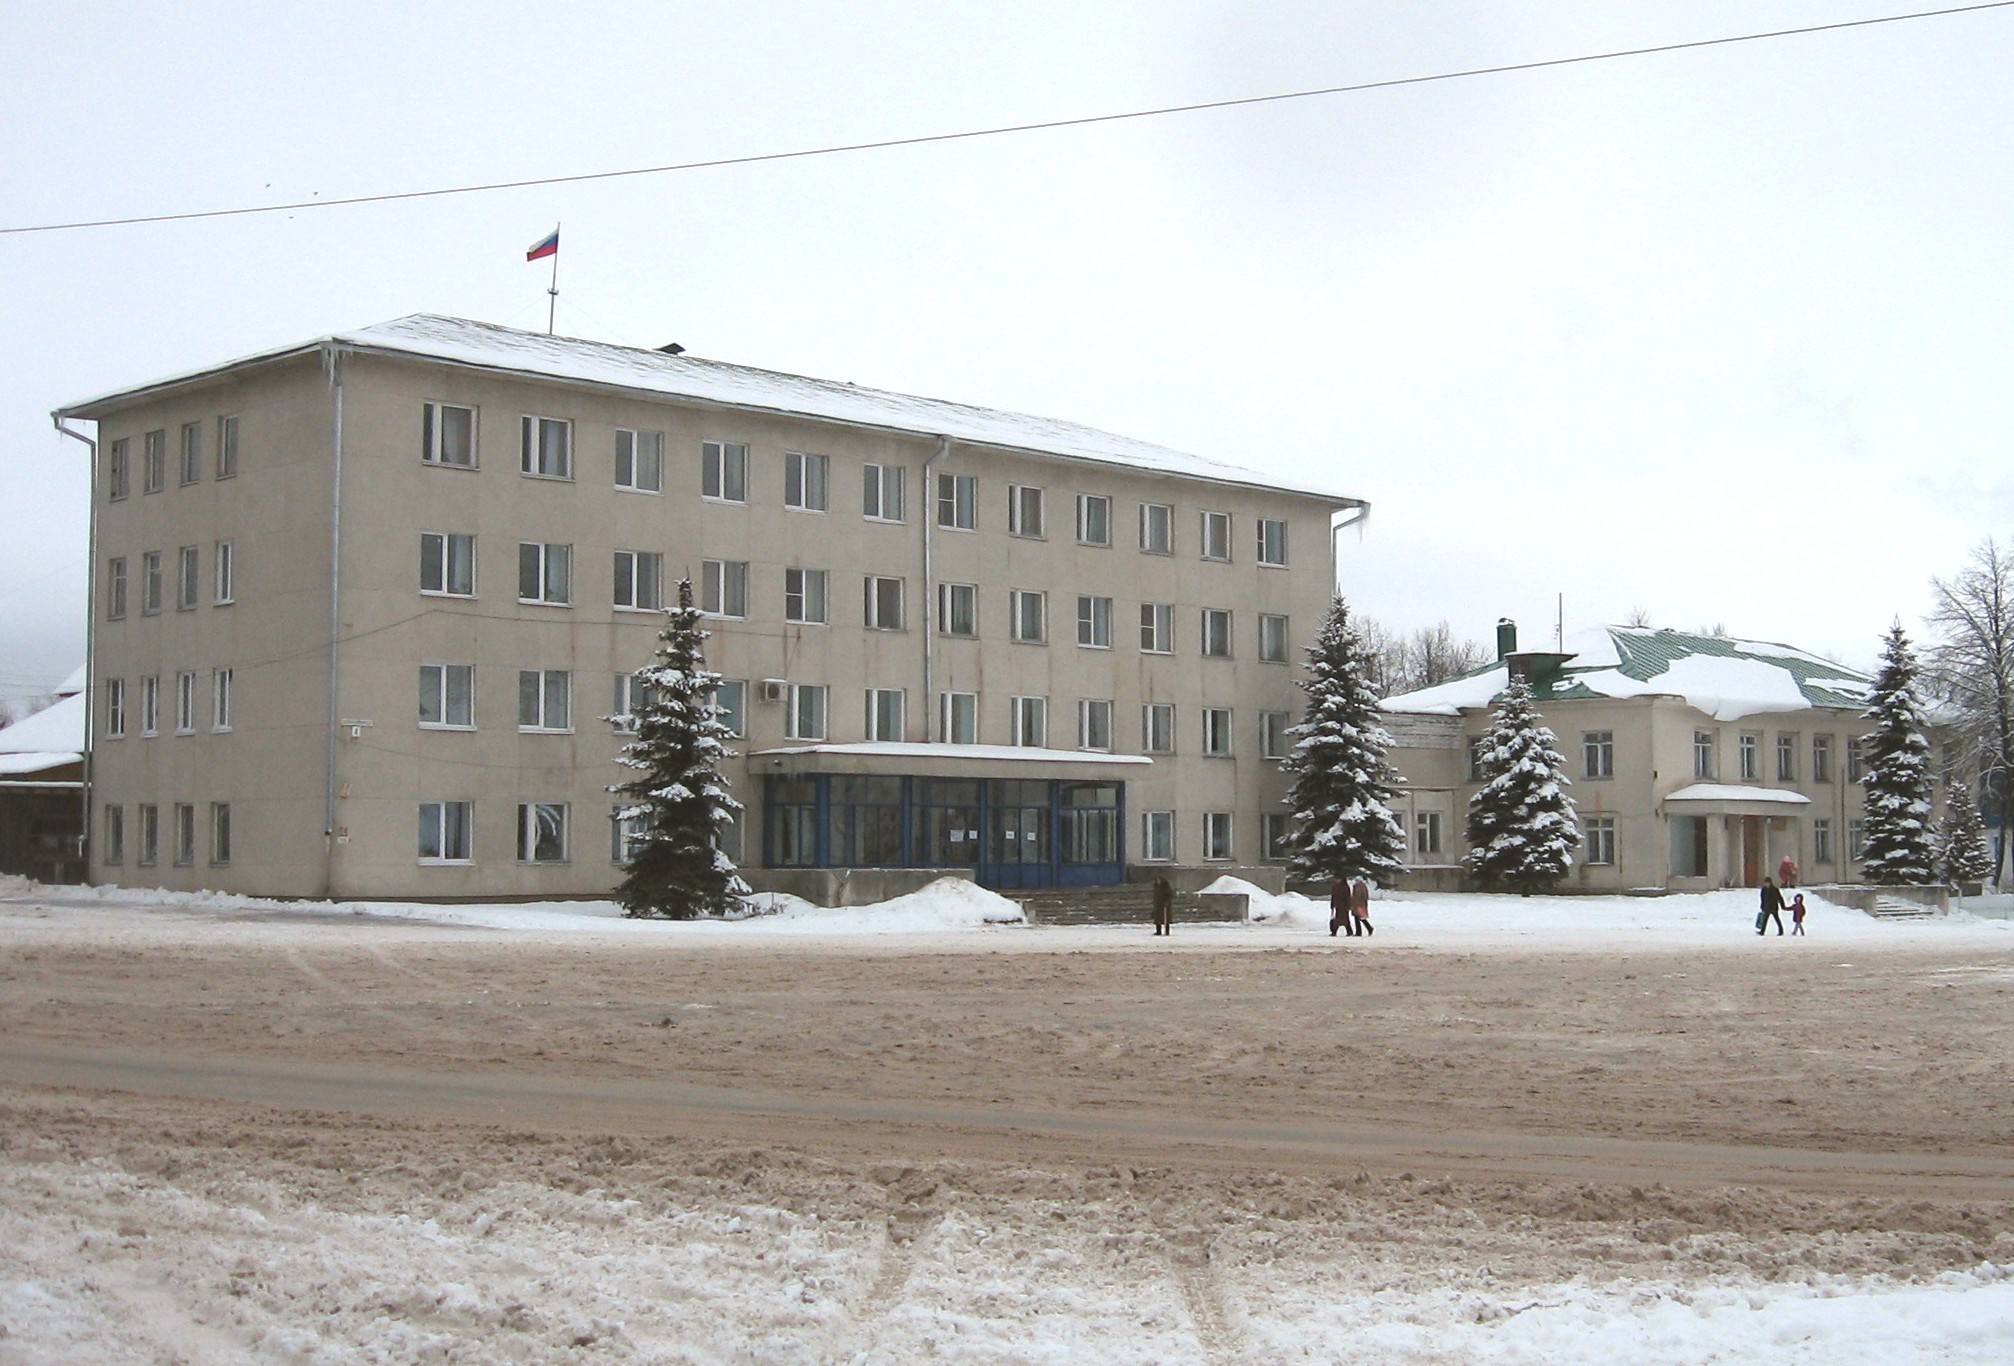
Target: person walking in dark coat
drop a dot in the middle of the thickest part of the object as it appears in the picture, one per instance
(1360, 906)
(1164, 905)
(1772, 907)
(1339, 908)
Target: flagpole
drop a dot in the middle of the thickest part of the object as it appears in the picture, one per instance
(552, 292)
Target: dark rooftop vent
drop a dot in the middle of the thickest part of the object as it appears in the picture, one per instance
(672, 349)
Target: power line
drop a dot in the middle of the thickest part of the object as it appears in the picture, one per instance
(925, 139)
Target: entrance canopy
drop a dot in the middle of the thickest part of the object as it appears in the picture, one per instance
(1728, 799)
(947, 761)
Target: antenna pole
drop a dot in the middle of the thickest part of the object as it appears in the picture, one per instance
(552, 291)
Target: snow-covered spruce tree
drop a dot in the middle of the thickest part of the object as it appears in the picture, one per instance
(1963, 837)
(1343, 824)
(1522, 827)
(1901, 847)
(678, 799)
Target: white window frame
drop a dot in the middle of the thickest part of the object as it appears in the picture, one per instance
(639, 460)
(730, 706)
(185, 834)
(807, 482)
(192, 453)
(806, 601)
(1426, 834)
(629, 696)
(958, 609)
(224, 558)
(1094, 724)
(881, 492)
(886, 720)
(438, 686)
(1821, 841)
(115, 709)
(1094, 519)
(227, 446)
(639, 581)
(185, 702)
(958, 718)
(114, 826)
(115, 588)
(1702, 754)
(1274, 829)
(883, 604)
(154, 471)
(625, 833)
(723, 588)
(537, 458)
(1157, 528)
(1274, 742)
(805, 712)
(147, 852)
(1272, 538)
(1217, 633)
(152, 583)
(1597, 754)
(723, 476)
(1157, 628)
(220, 834)
(550, 567)
(220, 701)
(118, 470)
(188, 577)
(1026, 609)
(1786, 758)
(1094, 622)
(545, 701)
(1026, 511)
(1748, 749)
(441, 553)
(1219, 837)
(1218, 734)
(1157, 836)
(1157, 728)
(1821, 758)
(1598, 841)
(434, 436)
(957, 502)
(453, 832)
(1216, 534)
(150, 705)
(538, 821)
(1274, 643)
(1028, 722)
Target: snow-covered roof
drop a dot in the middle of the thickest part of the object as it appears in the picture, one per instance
(1723, 677)
(985, 753)
(53, 730)
(1729, 792)
(21, 765)
(643, 370)
(73, 684)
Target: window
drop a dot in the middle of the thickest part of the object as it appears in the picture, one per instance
(1274, 829)
(115, 708)
(804, 596)
(1597, 754)
(632, 694)
(804, 481)
(188, 574)
(1157, 836)
(185, 834)
(1856, 835)
(884, 714)
(1478, 753)
(1216, 633)
(112, 834)
(544, 699)
(541, 832)
(1094, 519)
(1273, 736)
(1157, 529)
(883, 605)
(1749, 748)
(723, 587)
(1157, 728)
(958, 718)
(958, 609)
(639, 460)
(192, 452)
(150, 834)
(448, 435)
(220, 833)
(1217, 732)
(1094, 724)
(1029, 614)
(1786, 758)
(1030, 722)
(150, 705)
(1024, 511)
(444, 832)
(448, 696)
(544, 573)
(118, 470)
(155, 448)
(957, 501)
(150, 583)
(1216, 835)
(805, 712)
(1216, 535)
(115, 588)
(1854, 771)
(227, 447)
(723, 471)
(545, 447)
(625, 835)
(1094, 623)
(225, 559)
(639, 580)
(1688, 846)
(1272, 638)
(1426, 834)
(220, 700)
(1272, 542)
(1821, 758)
(1157, 628)
(447, 563)
(1599, 844)
(1821, 841)
(881, 492)
(1702, 754)
(730, 706)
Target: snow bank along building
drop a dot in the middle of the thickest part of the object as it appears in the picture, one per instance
(1696, 761)
(361, 607)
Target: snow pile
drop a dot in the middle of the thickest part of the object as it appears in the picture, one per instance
(949, 903)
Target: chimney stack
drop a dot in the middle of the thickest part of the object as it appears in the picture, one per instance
(1506, 638)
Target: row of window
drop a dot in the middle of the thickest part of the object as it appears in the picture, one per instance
(1597, 748)
(546, 451)
(182, 834)
(188, 700)
(191, 457)
(188, 580)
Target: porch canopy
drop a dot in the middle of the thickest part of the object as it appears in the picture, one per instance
(1728, 799)
(947, 761)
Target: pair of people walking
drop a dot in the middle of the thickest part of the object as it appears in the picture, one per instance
(1349, 907)
(1773, 907)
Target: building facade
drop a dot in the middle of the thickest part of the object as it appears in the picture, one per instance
(1696, 761)
(362, 609)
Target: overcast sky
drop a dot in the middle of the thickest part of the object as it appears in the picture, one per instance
(1722, 335)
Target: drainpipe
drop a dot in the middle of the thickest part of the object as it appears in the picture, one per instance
(332, 366)
(927, 514)
(90, 637)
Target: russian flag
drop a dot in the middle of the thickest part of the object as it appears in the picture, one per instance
(544, 247)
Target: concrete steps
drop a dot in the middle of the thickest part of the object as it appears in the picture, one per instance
(1895, 908)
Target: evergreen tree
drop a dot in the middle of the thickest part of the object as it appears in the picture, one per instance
(1963, 835)
(678, 799)
(1895, 800)
(1343, 824)
(1522, 827)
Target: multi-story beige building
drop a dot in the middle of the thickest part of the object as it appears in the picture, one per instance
(361, 607)
(1696, 761)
